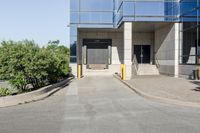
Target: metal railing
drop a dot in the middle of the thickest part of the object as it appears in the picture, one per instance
(189, 60)
(157, 62)
(135, 65)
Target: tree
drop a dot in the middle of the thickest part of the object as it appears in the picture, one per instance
(61, 62)
(24, 63)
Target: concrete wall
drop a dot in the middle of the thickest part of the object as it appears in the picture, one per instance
(143, 38)
(166, 49)
(117, 41)
(185, 71)
(164, 44)
(74, 68)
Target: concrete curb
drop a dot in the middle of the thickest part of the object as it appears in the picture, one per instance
(33, 96)
(159, 99)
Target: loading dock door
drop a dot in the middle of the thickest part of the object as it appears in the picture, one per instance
(97, 54)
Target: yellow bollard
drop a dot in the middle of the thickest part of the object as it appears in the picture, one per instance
(198, 74)
(79, 72)
(124, 72)
(121, 71)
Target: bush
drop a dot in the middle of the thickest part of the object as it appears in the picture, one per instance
(24, 63)
(5, 92)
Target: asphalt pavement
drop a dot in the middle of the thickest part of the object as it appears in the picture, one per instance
(98, 105)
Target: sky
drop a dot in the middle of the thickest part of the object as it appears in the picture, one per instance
(38, 20)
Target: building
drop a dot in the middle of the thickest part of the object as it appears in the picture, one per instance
(151, 35)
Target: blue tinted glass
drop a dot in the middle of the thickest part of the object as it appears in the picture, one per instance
(74, 5)
(73, 30)
(149, 8)
(188, 10)
(96, 5)
(73, 43)
(73, 40)
(198, 14)
(96, 17)
(102, 12)
(175, 9)
(74, 17)
(128, 8)
(118, 3)
(191, 14)
(187, 6)
(188, 19)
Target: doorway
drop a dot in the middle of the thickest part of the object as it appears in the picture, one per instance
(143, 53)
(97, 53)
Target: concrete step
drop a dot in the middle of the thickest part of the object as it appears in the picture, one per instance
(97, 66)
(90, 72)
(147, 69)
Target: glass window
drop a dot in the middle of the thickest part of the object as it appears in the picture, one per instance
(188, 5)
(191, 38)
(74, 5)
(74, 17)
(96, 17)
(198, 16)
(149, 8)
(117, 4)
(129, 9)
(73, 30)
(96, 5)
(190, 47)
(190, 16)
(73, 42)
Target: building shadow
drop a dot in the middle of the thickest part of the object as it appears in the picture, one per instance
(197, 89)
(196, 83)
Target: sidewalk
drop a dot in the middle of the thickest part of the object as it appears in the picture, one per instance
(164, 87)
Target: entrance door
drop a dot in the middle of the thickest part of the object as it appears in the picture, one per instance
(143, 53)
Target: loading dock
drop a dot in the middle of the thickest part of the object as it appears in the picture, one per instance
(97, 53)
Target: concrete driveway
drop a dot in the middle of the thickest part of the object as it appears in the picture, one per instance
(98, 105)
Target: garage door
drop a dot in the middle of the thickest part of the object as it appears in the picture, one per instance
(97, 53)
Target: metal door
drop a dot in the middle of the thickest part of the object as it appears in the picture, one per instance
(143, 53)
(97, 53)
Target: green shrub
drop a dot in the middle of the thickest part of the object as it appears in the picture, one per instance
(4, 92)
(25, 64)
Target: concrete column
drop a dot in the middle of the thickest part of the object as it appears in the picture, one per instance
(128, 49)
(177, 44)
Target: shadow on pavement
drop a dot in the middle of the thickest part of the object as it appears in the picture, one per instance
(196, 83)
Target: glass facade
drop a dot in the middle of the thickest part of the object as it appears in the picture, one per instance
(147, 10)
(189, 16)
(88, 14)
(112, 13)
